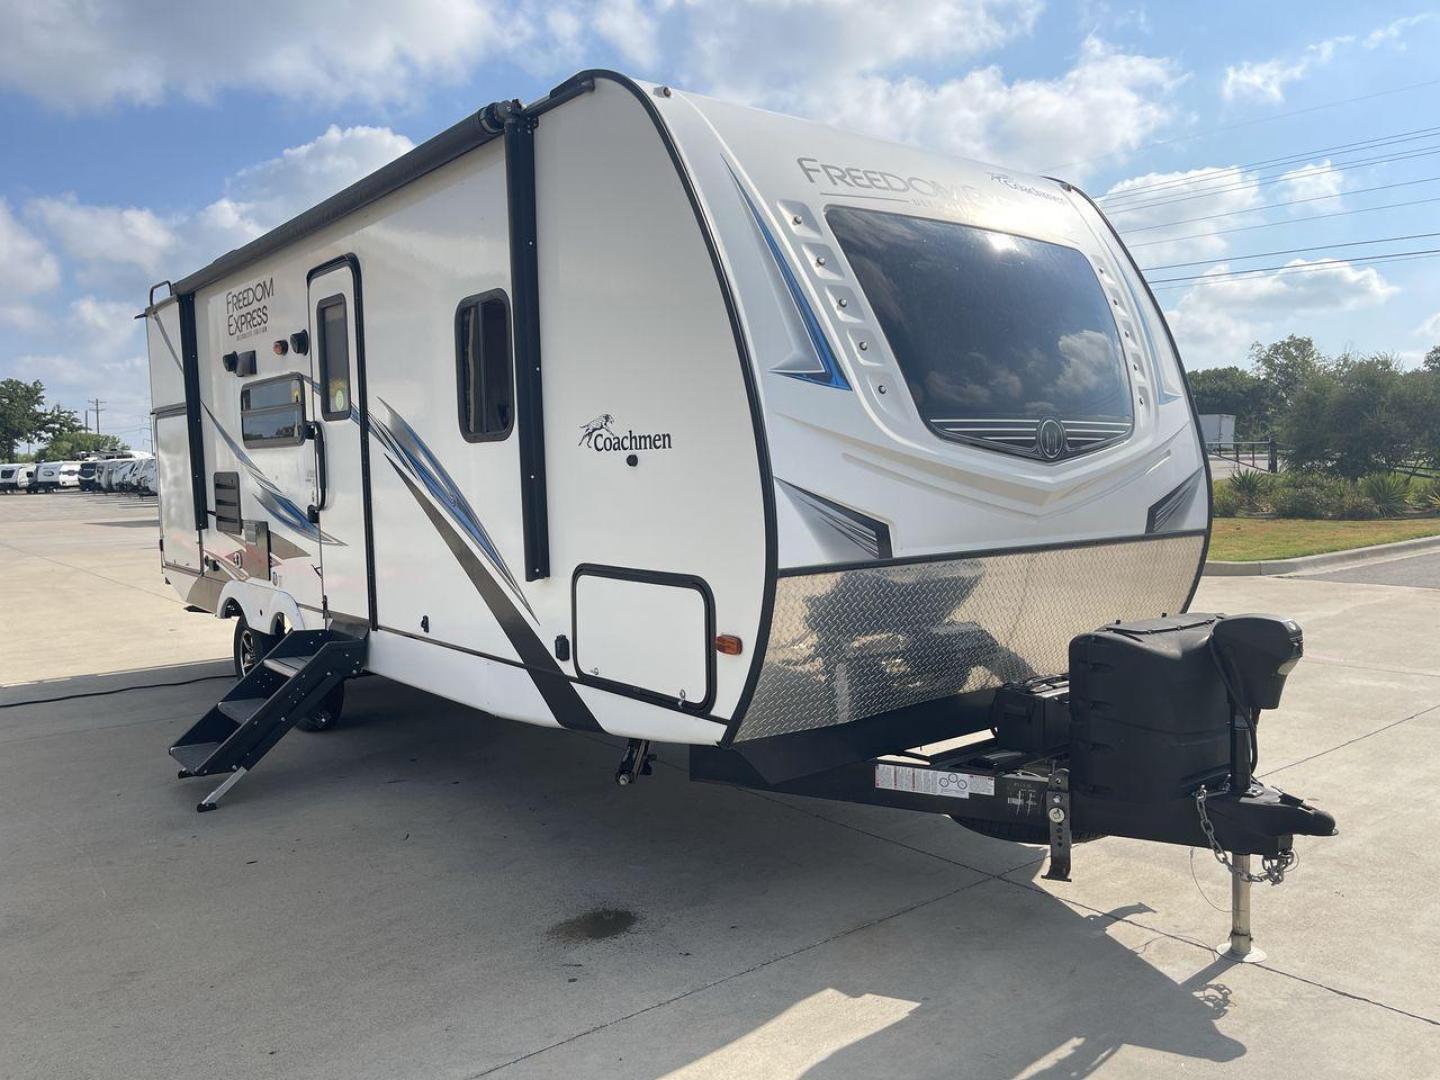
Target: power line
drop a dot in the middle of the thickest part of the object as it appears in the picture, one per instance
(1351, 147)
(1292, 251)
(1257, 182)
(1287, 268)
(97, 404)
(1289, 202)
(1250, 123)
(1277, 224)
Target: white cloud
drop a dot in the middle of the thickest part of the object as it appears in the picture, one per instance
(766, 51)
(1316, 180)
(264, 195)
(1216, 320)
(1266, 80)
(1430, 328)
(27, 266)
(80, 54)
(27, 318)
(1394, 33)
(130, 236)
(126, 249)
(1142, 203)
(1108, 103)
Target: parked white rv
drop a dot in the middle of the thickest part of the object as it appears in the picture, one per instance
(54, 475)
(18, 478)
(637, 412)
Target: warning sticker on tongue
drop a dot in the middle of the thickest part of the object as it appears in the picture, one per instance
(954, 785)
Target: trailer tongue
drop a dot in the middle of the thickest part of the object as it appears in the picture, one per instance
(1152, 736)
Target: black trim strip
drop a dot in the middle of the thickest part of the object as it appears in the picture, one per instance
(1184, 381)
(980, 553)
(525, 307)
(648, 577)
(363, 398)
(747, 372)
(555, 687)
(190, 371)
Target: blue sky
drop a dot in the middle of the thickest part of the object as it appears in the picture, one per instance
(141, 140)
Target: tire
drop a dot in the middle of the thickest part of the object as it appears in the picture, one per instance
(327, 716)
(249, 646)
(1020, 832)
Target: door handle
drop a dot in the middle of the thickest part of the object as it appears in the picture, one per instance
(313, 430)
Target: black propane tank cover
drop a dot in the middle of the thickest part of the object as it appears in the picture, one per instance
(1149, 713)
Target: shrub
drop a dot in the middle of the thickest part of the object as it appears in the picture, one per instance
(1355, 504)
(1301, 498)
(1248, 487)
(1425, 495)
(1387, 491)
(1225, 503)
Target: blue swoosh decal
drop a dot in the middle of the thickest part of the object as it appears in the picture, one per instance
(829, 373)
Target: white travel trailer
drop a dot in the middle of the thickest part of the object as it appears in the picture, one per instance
(54, 475)
(17, 478)
(637, 412)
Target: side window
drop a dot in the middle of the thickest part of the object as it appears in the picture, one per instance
(272, 413)
(485, 377)
(334, 352)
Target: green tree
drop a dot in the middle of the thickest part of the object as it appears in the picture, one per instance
(1431, 363)
(1284, 367)
(22, 415)
(1231, 390)
(1358, 415)
(72, 444)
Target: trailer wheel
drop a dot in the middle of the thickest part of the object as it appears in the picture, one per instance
(250, 646)
(1020, 832)
(327, 715)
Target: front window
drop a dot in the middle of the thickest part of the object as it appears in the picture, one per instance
(1004, 341)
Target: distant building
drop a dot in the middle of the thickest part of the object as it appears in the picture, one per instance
(1217, 428)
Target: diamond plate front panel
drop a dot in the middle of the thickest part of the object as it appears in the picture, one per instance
(854, 643)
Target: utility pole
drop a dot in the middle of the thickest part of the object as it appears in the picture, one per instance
(96, 403)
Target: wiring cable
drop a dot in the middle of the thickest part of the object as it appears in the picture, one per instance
(1259, 182)
(1296, 158)
(1289, 202)
(1278, 224)
(1292, 251)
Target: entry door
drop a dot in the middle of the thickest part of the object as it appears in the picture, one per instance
(337, 366)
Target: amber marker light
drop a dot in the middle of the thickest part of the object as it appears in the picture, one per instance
(729, 645)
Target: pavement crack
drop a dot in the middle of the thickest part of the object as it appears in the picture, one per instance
(1351, 742)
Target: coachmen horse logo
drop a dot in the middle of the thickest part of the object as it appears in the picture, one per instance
(595, 427)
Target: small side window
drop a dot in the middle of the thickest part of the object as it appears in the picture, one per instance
(484, 372)
(272, 413)
(333, 347)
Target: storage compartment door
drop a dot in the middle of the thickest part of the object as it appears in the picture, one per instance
(647, 634)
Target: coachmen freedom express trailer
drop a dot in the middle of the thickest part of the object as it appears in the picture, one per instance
(637, 412)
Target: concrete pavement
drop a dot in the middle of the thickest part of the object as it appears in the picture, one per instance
(427, 892)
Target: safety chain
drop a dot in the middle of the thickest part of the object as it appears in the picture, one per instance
(1273, 868)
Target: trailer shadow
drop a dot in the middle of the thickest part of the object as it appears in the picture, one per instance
(483, 898)
(987, 977)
